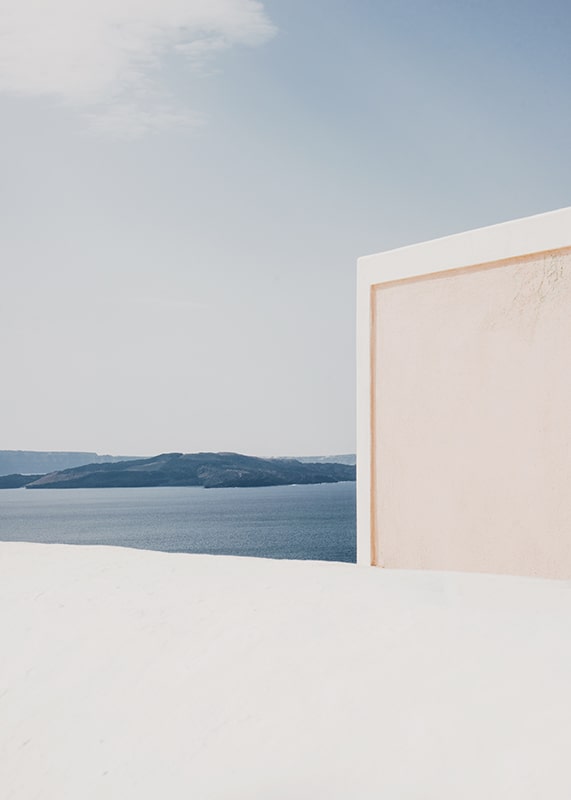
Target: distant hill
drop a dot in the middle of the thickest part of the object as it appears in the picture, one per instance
(210, 470)
(38, 461)
(16, 481)
(345, 458)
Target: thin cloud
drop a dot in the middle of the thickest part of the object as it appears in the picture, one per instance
(126, 120)
(104, 57)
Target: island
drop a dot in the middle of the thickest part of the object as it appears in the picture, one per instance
(16, 481)
(210, 470)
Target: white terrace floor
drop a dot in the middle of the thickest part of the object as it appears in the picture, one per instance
(130, 674)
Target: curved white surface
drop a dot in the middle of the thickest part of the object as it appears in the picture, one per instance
(133, 674)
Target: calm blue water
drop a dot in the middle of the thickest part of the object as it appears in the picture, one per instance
(306, 522)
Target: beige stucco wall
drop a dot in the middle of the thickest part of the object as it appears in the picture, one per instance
(471, 419)
(463, 391)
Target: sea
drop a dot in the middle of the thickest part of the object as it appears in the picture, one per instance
(296, 522)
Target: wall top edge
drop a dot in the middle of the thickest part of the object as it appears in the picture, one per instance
(535, 234)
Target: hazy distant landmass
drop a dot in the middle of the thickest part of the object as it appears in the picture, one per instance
(345, 458)
(40, 462)
(210, 470)
(37, 461)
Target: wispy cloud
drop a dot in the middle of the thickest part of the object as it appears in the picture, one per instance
(104, 56)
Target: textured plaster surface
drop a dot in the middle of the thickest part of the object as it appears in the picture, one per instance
(131, 674)
(471, 422)
(518, 321)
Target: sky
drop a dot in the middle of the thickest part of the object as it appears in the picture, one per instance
(186, 185)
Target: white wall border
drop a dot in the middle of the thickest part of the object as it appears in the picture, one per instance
(508, 240)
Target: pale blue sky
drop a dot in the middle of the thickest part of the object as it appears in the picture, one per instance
(180, 224)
